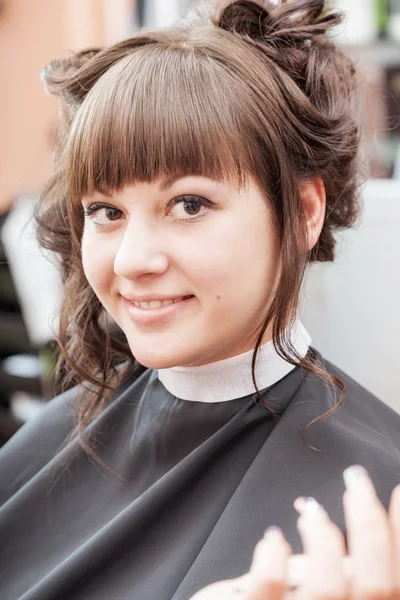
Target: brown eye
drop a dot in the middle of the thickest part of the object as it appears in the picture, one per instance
(190, 205)
(102, 214)
(105, 215)
(112, 213)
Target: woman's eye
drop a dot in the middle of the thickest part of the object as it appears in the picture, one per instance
(183, 208)
(102, 214)
(186, 208)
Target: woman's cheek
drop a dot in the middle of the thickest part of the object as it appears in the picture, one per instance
(97, 261)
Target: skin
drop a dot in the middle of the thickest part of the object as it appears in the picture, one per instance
(226, 255)
(374, 552)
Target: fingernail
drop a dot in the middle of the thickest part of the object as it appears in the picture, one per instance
(353, 474)
(311, 508)
(273, 531)
(311, 505)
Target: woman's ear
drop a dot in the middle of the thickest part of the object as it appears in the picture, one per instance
(312, 194)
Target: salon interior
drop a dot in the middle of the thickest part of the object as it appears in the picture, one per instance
(350, 307)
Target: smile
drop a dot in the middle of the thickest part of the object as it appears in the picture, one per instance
(157, 312)
(158, 303)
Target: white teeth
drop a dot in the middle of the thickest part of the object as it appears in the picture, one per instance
(155, 303)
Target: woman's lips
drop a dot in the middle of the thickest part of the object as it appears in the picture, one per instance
(155, 316)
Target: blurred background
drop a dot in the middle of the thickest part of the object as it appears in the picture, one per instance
(351, 308)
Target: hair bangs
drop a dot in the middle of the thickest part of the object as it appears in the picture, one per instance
(157, 113)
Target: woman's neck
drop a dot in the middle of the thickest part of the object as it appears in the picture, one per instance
(231, 378)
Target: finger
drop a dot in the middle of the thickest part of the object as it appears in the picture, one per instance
(394, 518)
(269, 568)
(369, 537)
(324, 548)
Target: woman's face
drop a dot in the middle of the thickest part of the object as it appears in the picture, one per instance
(167, 240)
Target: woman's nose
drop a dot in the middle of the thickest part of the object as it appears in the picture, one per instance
(139, 254)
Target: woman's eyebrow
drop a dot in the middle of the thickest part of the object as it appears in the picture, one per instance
(168, 182)
(95, 198)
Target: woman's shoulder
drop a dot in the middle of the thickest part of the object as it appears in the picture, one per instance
(360, 415)
(41, 438)
(359, 398)
(36, 442)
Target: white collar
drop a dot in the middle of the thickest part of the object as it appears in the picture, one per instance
(231, 378)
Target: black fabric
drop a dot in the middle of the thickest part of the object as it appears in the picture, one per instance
(195, 486)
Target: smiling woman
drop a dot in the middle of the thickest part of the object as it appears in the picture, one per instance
(236, 100)
(145, 245)
(203, 167)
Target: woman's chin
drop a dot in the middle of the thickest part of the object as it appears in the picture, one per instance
(157, 360)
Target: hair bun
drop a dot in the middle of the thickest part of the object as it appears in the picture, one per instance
(286, 24)
(59, 71)
(246, 18)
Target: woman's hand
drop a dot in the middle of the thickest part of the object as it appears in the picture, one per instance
(370, 571)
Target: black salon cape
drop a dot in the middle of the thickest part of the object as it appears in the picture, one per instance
(197, 485)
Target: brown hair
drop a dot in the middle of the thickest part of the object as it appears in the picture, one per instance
(252, 90)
